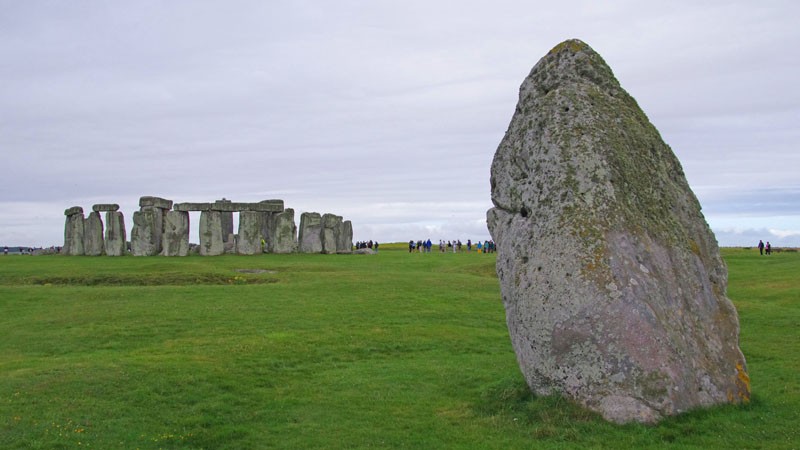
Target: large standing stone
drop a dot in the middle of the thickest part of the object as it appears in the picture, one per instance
(284, 232)
(248, 241)
(612, 281)
(175, 241)
(332, 226)
(115, 242)
(345, 243)
(225, 207)
(73, 231)
(93, 235)
(211, 243)
(147, 231)
(310, 239)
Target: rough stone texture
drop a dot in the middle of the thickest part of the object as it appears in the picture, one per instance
(73, 210)
(284, 232)
(262, 206)
(310, 237)
(211, 233)
(186, 207)
(175, 240)
(148, 228)
(154, 202)
(249, 239)
(331, 230)
(345, 243)
(93, 235)
(73, 231)
(115, 241)
(226, 218)
(105, 207)
(612, 281)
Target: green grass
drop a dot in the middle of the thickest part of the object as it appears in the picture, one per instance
(332, 351)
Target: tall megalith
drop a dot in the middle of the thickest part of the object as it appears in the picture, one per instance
(211, 243)
(331, 231)
(614, 289)
(345, 242)
(148, 226)
(115, 240)
(284, 232)
(175, 240)
(73, 231)
(93, 235)
(249, 238)
(310, 234)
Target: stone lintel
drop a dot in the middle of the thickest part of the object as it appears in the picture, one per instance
(72, 211)
(265, 206)
(156, 202)
(105, 207)
(192, 206)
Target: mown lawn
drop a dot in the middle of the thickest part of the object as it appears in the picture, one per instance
(393, 350)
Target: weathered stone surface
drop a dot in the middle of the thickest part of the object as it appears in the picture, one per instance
(185, 207)
(73, 233)
(211, 234)
(147, 231)
(115, 241)
(105, 207)
(93, 235)
(226, 217)
(155, 202)
(332, 227)
(612, 281)
(248, 241)
(175, 240)
(310, 238)
(345, 243)
(263, 206)
(73, 210)
(284, 232)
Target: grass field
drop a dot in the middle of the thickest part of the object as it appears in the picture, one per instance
(393, 350)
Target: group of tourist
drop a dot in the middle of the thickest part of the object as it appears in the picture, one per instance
(455, 246)
(764, 248)
(367, 244)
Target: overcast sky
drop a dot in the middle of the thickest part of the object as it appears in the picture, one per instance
(387, 113)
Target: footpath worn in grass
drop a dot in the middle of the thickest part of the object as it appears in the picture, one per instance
(393, 350)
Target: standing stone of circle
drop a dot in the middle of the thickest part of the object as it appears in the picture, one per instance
(211, 243)
(93, 235)
(614, 289)
(115, 241)
(331, 227)
(283, 232)
(147, 231)
(175, 241)
(267, 231)
(310, 239)
(249, 239)
(345, 243)
(148, 226)
(226, 217)
(73, 231)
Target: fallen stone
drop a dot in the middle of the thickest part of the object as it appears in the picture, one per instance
(155, 202)
(175, 240)
(614, 289)
(310, 237)
(105, 207)
(93, 235)
(115, 241)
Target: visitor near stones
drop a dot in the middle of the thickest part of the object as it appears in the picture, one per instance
(614, 289)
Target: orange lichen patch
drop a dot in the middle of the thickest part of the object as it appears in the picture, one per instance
(743, 383)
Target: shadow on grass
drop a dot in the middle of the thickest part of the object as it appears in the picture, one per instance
(151, 279)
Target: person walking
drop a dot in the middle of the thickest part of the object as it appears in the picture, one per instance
(761, 247)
